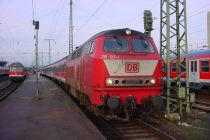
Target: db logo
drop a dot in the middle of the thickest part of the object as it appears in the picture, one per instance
(132, 67)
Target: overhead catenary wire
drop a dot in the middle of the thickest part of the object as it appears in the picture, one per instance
(91, 16)
(193, 15)
(56, 17)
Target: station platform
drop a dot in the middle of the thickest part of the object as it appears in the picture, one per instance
(54, 117)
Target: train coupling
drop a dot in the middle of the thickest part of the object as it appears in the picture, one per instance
(131, 103)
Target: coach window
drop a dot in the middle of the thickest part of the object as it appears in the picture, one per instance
(92, 47)
(205, 66)
(173, 67)
(195, 66)
(63, 68)
(192, 66)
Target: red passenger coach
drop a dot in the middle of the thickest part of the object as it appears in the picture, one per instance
(17, 72)
(199, 69)
(114, 71)
(59, 70)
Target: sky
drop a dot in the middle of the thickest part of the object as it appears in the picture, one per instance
(89, 17)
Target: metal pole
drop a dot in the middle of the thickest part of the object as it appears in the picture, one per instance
(177, 32)
(161, 28)
(71, 28)
(188, 109)
(42, 59)
(49, 53)
(37, 55)
(49, 40)
(178, 83)
(168, 55)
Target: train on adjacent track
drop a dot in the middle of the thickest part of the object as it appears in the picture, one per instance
(17, 72)
(113, 73)
(199, 69)
(4, 70)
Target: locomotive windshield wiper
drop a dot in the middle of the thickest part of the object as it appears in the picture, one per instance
(145, 45)
(119, 43)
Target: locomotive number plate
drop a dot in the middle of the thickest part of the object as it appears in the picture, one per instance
(132, 67)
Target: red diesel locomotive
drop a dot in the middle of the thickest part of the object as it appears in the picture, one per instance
(114, 71)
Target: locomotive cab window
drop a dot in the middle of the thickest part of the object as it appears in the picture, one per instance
(73, 56)
(92, 47)
(116, 45)
(78, 52)
(205, 66)
(14, 69)
(141, 45)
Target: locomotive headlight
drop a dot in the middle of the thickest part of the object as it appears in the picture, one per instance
(128, 31)
(109, 81)
(152, 81)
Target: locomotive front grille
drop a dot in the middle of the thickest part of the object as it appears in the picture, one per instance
(130, 82)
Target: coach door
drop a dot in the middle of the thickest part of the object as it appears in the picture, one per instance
(193, 72)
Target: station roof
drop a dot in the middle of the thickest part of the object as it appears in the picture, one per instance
(3, 63)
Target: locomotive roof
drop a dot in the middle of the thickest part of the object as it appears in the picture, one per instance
(192, 53)
(200, 52)
(113, 32)
(57, 61)
(16, 64)
(119, 32)
(116, 32)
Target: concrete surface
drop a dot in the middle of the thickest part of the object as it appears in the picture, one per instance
(53, 117)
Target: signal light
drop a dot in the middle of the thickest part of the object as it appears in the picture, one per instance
(148, 20)
(36, 23)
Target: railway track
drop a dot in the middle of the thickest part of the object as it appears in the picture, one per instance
(4, 92)
(198, 105)
(203, 106)
(131, 130)
(4, 83)
(139, 130)
(4, 78)
(118, 130)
